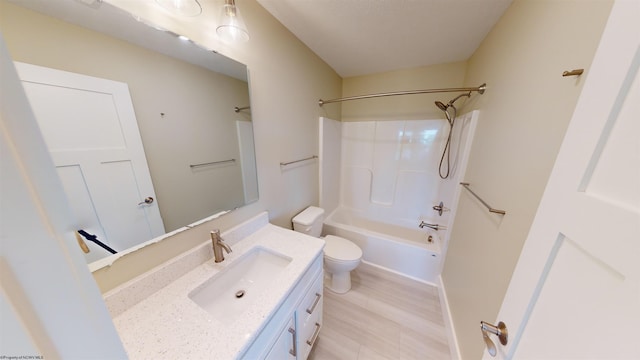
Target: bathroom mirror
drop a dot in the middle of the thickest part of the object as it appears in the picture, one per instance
(192, 107)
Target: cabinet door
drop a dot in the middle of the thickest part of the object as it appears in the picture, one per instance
(285, 346)
(309, 318)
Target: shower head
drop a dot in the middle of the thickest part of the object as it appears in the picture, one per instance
(442, 106)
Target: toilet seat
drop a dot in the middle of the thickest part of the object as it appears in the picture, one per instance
(341, 249)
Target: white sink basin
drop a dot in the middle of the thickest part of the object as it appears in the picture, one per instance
(230, 292)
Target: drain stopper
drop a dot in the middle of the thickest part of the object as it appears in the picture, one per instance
(239, 294)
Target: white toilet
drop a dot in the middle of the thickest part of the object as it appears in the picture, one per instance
(340, 255)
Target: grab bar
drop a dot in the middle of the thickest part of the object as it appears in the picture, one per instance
(297, 161)
(466, 186)
(212, 163)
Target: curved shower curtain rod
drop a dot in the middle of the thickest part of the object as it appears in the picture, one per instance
(480, 89)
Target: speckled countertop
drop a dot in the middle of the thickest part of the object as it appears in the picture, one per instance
(168, 325)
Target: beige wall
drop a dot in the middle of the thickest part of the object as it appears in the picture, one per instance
(524, 115)
(198, 125)
(409, 107)
(287, 79)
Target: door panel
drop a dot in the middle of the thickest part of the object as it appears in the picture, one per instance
(81, 204)
(605, 182)
(592, 309)
(95, 123)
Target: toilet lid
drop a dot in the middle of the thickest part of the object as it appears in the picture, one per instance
(341, 249)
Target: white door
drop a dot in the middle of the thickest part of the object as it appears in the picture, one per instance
(50, 305)
(575, 293)
(91, 131)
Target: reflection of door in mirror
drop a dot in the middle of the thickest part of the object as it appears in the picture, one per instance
(91, 131)
(183, 95)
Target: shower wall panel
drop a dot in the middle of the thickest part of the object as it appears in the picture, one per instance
(390, 168)
(330, 152)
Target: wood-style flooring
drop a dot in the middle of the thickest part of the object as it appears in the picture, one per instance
(384, 316)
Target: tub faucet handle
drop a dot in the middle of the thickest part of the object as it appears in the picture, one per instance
(440, 208)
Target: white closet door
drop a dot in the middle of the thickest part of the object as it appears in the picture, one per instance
(91, 131)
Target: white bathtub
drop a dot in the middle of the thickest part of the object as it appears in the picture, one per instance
(400, 249)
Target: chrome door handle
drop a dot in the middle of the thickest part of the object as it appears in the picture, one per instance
(293, 351)
(315, 303)
(313, 339)
(148, 200)
(500, 331)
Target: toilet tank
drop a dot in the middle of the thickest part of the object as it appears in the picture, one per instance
(309, 221)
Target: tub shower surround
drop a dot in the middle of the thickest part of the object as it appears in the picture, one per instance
(389, 182)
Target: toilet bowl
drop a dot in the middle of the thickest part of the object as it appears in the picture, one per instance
(341, 256)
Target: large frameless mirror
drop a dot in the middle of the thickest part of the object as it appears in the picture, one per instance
(191, 107)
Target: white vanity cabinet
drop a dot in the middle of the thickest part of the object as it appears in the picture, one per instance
(294, 328)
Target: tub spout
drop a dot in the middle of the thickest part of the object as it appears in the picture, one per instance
(435, 227)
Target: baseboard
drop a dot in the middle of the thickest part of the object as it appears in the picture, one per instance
(376, 266)
(448, 321)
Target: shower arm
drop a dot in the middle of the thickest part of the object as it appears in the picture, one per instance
(480, 89)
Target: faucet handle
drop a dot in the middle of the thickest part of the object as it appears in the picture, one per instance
(440, 208)
(215, 236)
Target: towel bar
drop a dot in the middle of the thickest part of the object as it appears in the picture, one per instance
(466, 186)
(212, 163)
(297, 161)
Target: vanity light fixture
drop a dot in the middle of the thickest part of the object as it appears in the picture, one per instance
(231, 27)
(181, 7)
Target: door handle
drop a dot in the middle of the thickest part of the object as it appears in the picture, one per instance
(500, 331)
(315, 303)
(148, 200)
(313, 339)
(293, 351)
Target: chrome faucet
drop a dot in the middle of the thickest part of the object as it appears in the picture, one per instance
(218, 245)
(435, 227)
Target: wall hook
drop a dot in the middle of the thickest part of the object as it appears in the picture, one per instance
(574, 72)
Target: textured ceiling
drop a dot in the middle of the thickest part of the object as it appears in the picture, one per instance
(359, 37)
